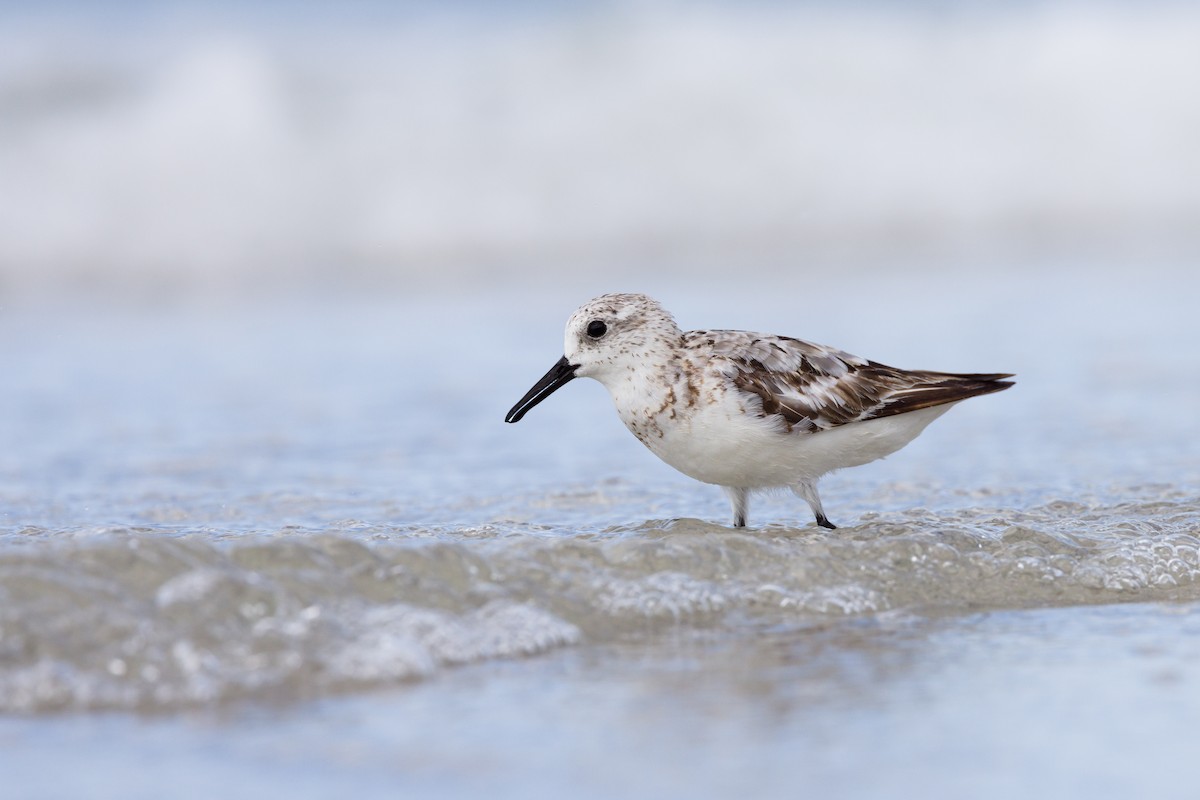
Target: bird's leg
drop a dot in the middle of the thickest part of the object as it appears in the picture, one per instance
(739, 498)
(808, 492)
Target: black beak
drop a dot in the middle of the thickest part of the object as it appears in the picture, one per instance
(560, 374)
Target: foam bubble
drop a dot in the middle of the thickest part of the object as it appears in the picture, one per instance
(122, 619)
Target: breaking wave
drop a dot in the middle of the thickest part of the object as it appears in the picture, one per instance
(426, 146)
(134, 619)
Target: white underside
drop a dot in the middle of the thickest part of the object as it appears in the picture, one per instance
(750, 452)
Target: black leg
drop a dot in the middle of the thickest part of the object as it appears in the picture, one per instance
(808, 492)
(739, 521)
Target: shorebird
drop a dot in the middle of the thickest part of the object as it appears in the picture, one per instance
(748, 411)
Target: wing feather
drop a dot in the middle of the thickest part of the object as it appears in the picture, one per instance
(813, 387)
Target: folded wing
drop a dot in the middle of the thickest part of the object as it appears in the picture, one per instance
(813, 388)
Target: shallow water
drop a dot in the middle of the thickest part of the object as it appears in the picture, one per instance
(1098, 701)
(139, 620)
(294, 545)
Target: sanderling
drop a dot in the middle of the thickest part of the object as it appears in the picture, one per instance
(743, 410)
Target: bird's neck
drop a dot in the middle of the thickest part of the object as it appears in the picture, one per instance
(645, 396)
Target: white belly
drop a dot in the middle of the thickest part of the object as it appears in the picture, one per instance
(750, 452)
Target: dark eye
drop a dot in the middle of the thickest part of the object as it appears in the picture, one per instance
(596, 329)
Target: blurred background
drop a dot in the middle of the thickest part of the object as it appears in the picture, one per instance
(272, 272)
(153, 149)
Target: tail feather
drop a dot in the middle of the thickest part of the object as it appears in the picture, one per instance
(939, 388)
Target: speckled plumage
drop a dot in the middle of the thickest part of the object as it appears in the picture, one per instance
(747, 410)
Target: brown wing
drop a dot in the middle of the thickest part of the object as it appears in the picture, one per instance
(814, 388)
